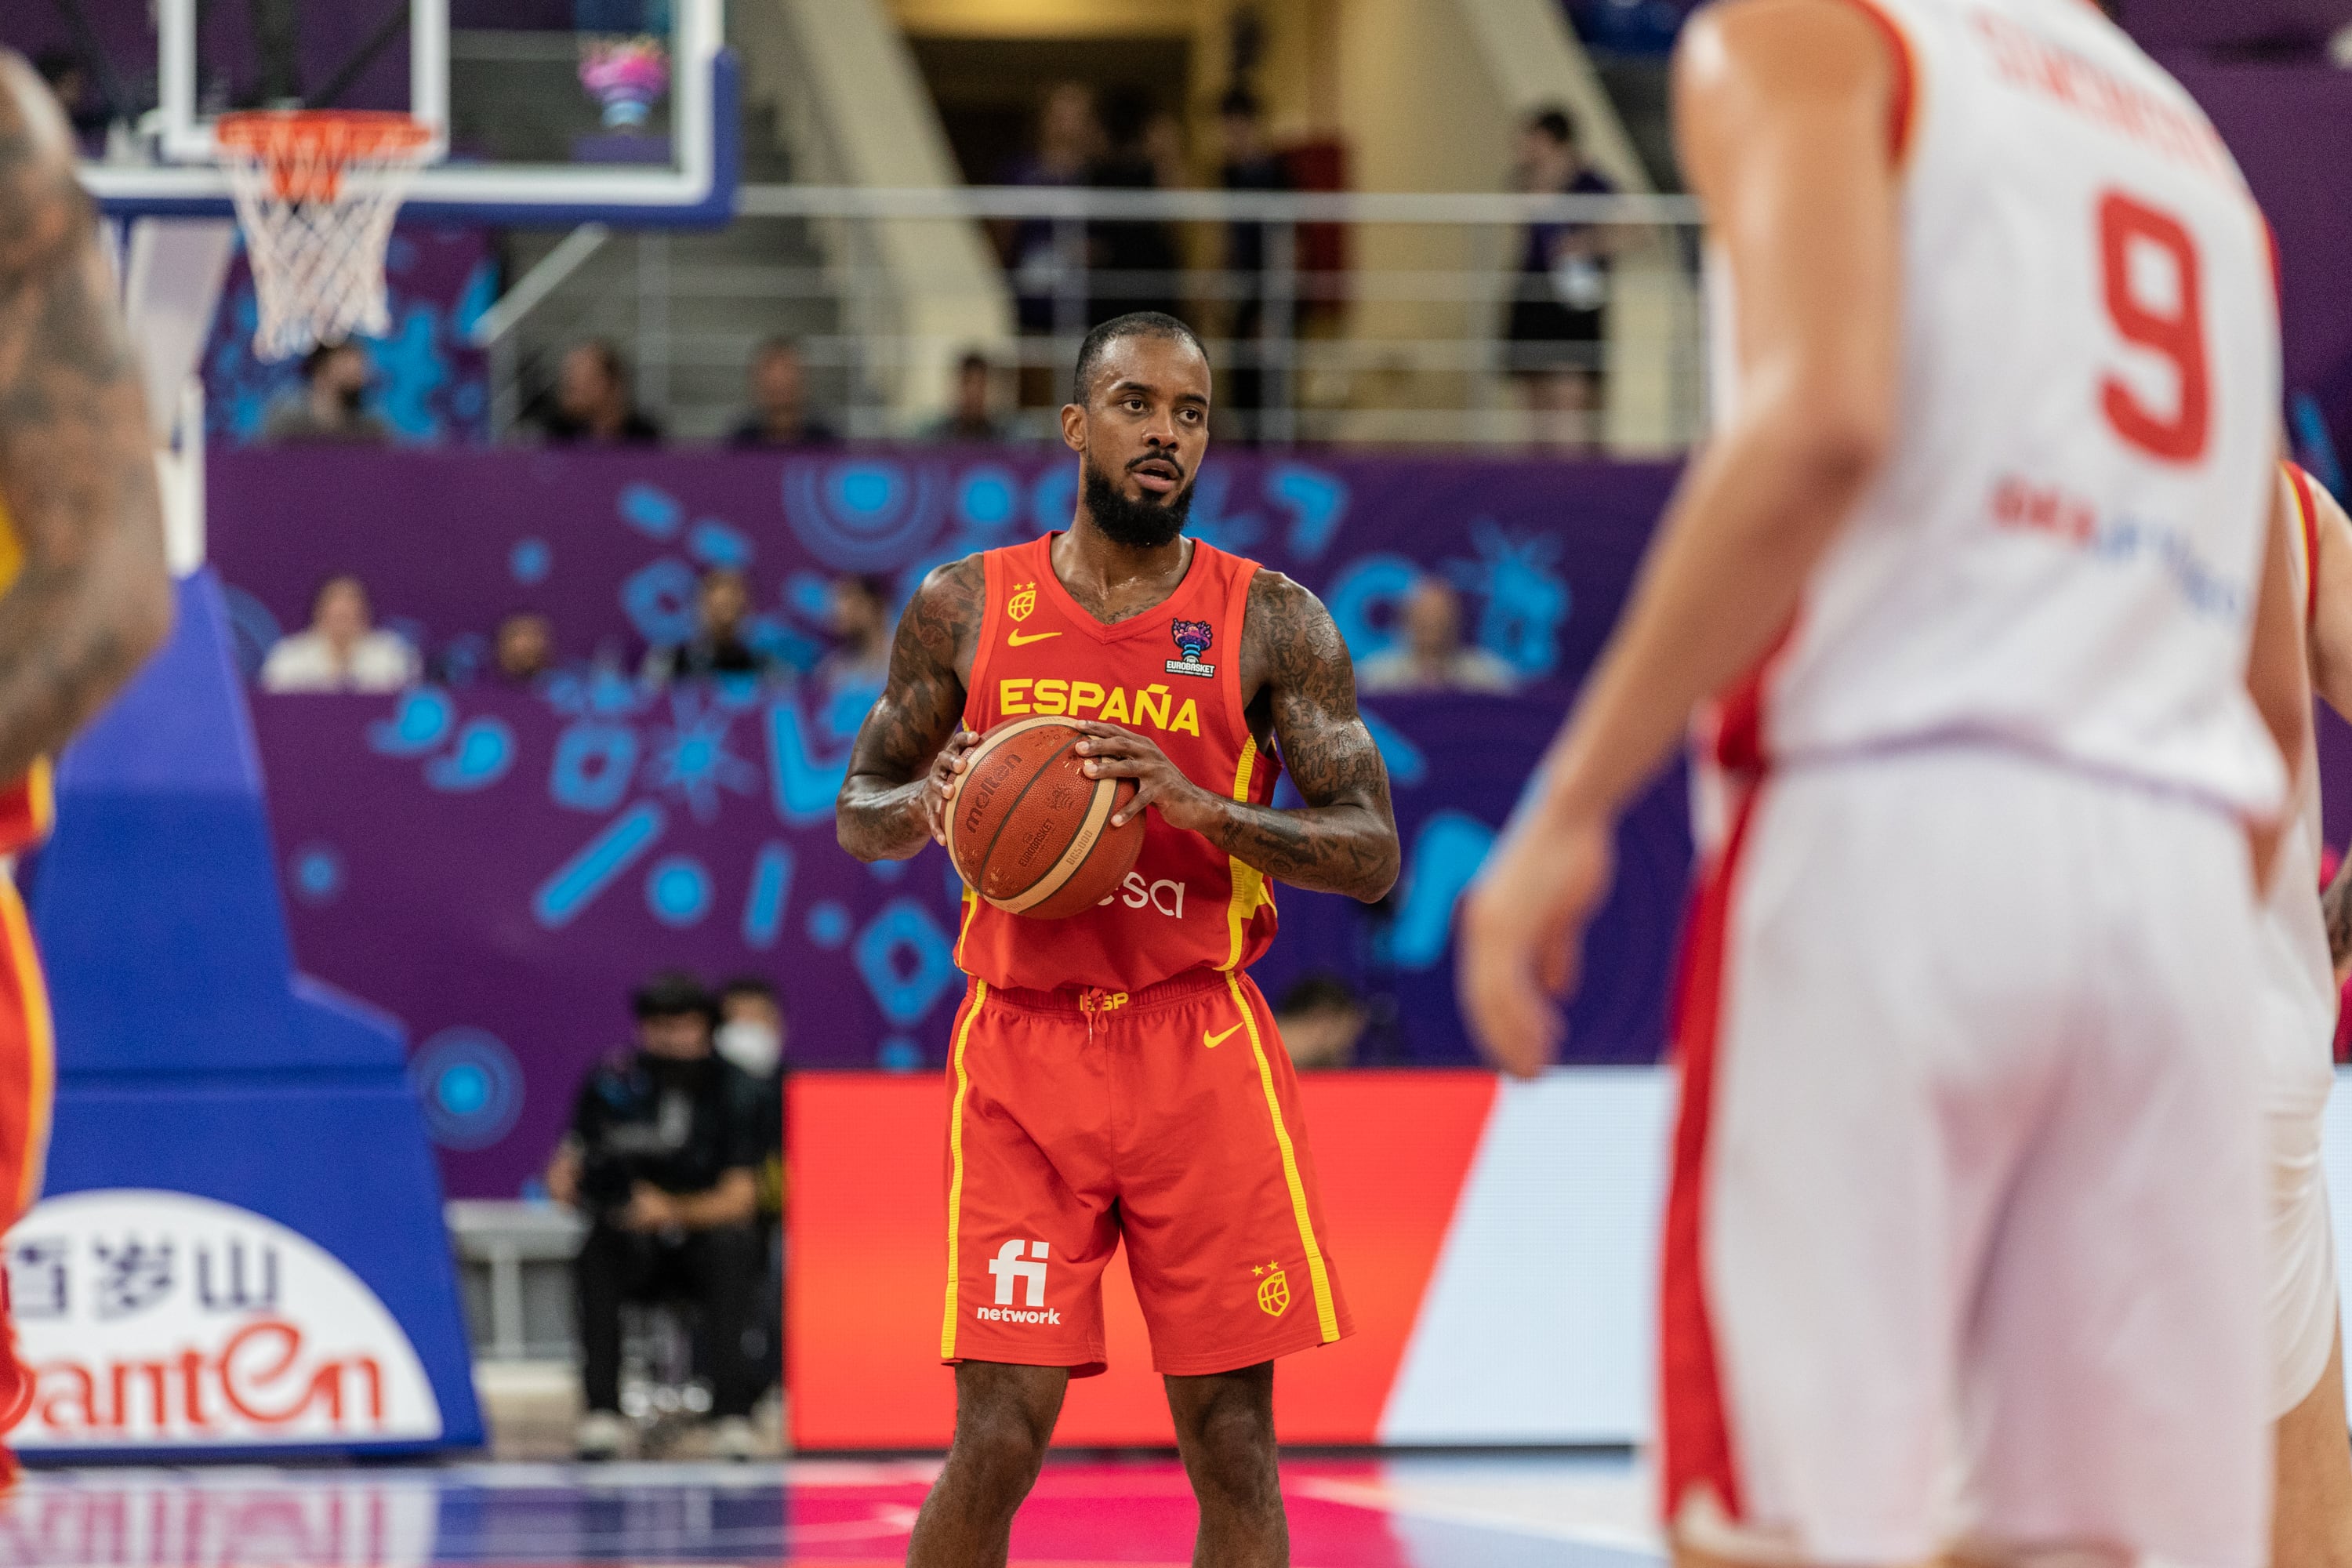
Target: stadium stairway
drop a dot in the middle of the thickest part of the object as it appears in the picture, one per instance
(687, 308)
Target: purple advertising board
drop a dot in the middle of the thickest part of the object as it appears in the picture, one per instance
(499, 866)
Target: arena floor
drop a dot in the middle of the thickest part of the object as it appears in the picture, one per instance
(1449, 1512)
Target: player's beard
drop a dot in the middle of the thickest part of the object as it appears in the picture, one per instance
(1145, 524)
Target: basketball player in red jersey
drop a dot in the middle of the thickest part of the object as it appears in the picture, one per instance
(84, 594)
(1116, 1073)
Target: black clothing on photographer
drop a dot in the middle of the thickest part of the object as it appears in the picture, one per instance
(722, 1270)
(680, 1126)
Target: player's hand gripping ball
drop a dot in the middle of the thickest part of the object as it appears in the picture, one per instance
(1028, 830)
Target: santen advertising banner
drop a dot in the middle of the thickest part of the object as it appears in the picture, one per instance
(160, 1317)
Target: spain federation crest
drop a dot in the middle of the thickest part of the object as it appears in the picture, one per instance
(1023, 600)
(1193, 640)
(1273, 1290)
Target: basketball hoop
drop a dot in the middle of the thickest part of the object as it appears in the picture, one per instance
(317, 192)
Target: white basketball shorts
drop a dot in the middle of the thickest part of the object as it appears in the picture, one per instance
(2295, 1030)
(1965, 1241)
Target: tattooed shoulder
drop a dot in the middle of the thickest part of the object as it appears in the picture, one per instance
(943, 620)
(1289, 642)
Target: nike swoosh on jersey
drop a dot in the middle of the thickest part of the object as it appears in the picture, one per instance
(1213, 1041)
(1018, 640)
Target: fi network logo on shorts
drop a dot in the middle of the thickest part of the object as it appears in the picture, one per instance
(1008, 1267)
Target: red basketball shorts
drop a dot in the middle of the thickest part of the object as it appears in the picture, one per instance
(1170, 1117)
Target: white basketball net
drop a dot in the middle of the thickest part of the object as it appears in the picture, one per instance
(317, 195)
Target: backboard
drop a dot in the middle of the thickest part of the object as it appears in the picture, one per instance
(544, 112)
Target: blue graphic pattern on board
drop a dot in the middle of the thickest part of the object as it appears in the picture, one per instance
(428, 382)
(606, 828)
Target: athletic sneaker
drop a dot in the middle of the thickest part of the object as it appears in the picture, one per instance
(734, 1437)
(601, 1435)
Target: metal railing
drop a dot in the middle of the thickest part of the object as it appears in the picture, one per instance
(1374, 318)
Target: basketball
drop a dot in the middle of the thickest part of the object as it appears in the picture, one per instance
(1030, 832)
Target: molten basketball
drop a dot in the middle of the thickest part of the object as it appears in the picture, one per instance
(1030, 832)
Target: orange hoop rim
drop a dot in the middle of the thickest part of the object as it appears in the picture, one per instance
(305, 152)
(338, 135)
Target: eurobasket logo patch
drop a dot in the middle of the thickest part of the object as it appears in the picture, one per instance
(1023, 601)
(1273, 1289)
(1192, 639)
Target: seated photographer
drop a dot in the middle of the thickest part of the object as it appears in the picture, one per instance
(662, 1157)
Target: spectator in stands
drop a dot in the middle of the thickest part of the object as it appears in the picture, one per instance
(662, 1158)
(1134, 261)
(329, 406)
(1321, 1021)
(753, 1027)
(1432, 657)
(779, 416)
(1559, 304)
(1249, 165)
(719, 646)
(861, 620)
(1069, 141)
(341, 650)
(524, 651)
(594, 403)
(973, 417)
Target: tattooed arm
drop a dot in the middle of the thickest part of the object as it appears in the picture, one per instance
(1344, 840)
(92, 598)
(911, 747)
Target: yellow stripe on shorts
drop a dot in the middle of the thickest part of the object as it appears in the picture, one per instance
(955, 1160)
(1327, 1311)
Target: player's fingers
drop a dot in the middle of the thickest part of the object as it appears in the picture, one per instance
(1523, 1027)
(1119, 767)
(1134, 808)
(1555, 963)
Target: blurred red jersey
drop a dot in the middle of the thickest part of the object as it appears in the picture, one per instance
(26, 810)
(1173, 673)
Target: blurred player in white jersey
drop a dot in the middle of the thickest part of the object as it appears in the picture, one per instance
(2312, 1519)
(1982, 575)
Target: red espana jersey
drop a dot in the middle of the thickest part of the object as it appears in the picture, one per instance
(26, 805)
(1173, 673)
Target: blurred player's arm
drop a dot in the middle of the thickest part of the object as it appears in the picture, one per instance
(910, 749)
(92, 598)
(1344, 839)
(1782, 108)
(2330, 635)
(2276, 674)
(2330, 638)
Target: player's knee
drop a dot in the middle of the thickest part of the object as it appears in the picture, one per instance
(1003, 1438)
(1235, 1444)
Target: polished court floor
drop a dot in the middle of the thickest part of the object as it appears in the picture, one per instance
(1451, 1512)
